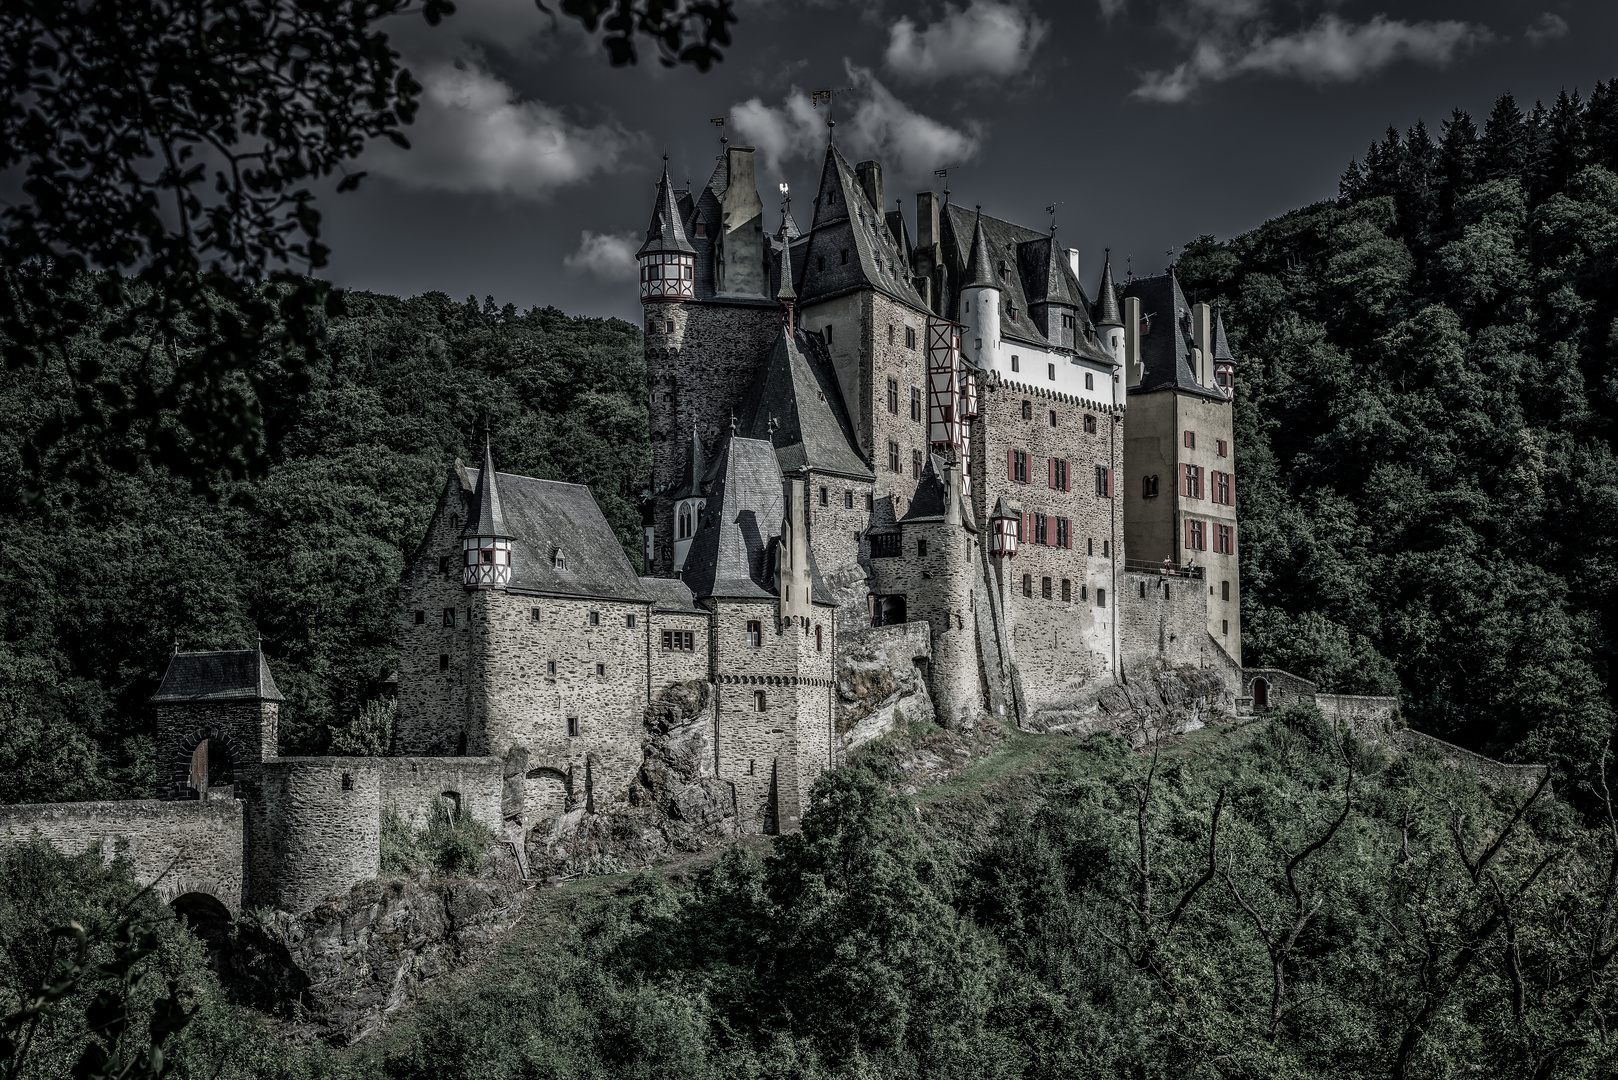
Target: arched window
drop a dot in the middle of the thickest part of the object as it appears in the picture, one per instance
(685, 521)
(758, 701)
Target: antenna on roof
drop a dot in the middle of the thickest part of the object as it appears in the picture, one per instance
(1051, 210)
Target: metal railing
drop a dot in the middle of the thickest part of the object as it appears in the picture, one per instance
(1141, 566)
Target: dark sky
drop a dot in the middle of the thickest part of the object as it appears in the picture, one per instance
(1149, 121)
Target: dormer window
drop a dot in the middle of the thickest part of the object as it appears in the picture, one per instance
(1012, 312)
(1005, 271)
(702, 228)
(559, 559)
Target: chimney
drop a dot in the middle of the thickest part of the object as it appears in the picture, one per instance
(792, 558)
(926, 220)
(870, 174)
(952, 492)
(1073, 261)
(1202, 340)
(1134, 365)
(929, 250)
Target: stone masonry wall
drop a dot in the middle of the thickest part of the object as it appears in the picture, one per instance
(411, 785)
(1165, 621)
(815, 689)
(602, 679)
(696, 376)
(176, 847)
(674, 666)
(248, 730)
(939, 594)
(435, 652)
(315, 831)
(837, 537)
(893, 359)
(1284, 687)
(1059, 647)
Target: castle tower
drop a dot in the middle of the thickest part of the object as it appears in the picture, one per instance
(980, 301)
(936, 575)
(1108, 319)
(486, 543)
(1224, 362)
(667, 259)
(738, 259)
(217, 720)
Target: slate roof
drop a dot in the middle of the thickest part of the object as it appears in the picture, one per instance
(731, 555)
(845, 220)
(665, 234)
(544, 515)
(670, 594)
(237, 675)
(1166, 345)
(1106, 313)
(1021, 249)
(979, 275)
(487, 517)
(795, 387)
(928, 502)
(1221, 347)
(692, 483)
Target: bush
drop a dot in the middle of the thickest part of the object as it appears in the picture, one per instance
(452, 843)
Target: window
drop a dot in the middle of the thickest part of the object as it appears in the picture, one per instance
(758, 701)
(1059, 474)
(670, 326)
(1063, 537)
(1019, 466)
(678, 641)
(533, 614)
(1028, 585)
(1225, 540)
(1053, 418)
(1027, 410)
(1224, 626)
(1044, 588)
(595, 618)
(559, 559)
(1223, 447)
(1011, 313)
(1103, 482)
(1106, 549)
(890, 333)
(915, 403)
(449, 616)
(601, 669)
(702, 228)
(842, 257)
(1196, 535)
(870, 501)
(827, 332)
(1050, 371)
(910, 337)
(755, 633)
(1016, 361)
(820, 264)
(443, 661)
(921, 548)
(915, 464)
(893, 396)
(1040, 535)
(893, 456)
(1089, 380)
(1190, 440)
(1225, 488)
(1101, 598)
(421, 618)
(1084, 592)
(1148, 487)
(886, 545)
(348, 781)
(629, 620)
(1224, 591)
(550, 667)
(1067, 591)
(818, 642)
(1089, 545)
(848, 500)
(443, 564)
(1089, 424)
(573, 726)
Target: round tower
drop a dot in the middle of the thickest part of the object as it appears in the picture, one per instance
(668, 262)
(980, 300)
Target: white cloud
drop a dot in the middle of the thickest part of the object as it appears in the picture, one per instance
(872, 122)
(608, 256)
(1331, 50)
(986, 38)
(474, 134)
(1548, 27)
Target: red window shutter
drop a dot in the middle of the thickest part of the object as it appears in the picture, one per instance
(1011, 464)
(1109, 482)
(1067, 533)
(1199, 481)
(1188, 546)
(1050, 472)
(1067, 475)
(1233, 491)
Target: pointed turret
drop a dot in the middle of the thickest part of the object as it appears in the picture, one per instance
(1224, 363)
(667, 259)
(980, 300)
(978, 273)
(1106, 310)
(486, 542)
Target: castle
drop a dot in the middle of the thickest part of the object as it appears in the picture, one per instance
(865, 432)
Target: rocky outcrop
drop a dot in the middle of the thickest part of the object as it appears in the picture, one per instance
(1172, 701)
(334, 973)
(880, 688)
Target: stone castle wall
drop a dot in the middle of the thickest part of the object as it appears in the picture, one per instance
(837, 537)
(175, 847)
(1165, 622)
(248, 731)
(675, 666)
(413, 785)
(938, 587)
(435, 653)
(314, 830)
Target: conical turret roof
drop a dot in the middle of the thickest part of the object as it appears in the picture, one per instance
(665, 235)
(978, 274)
(786, 292)
(1107, 313)
(488, 518)
(1221, 347)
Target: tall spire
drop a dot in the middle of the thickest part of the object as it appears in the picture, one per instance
(786, 295)
(1221, 347)
(487, 518)
(978, 275)
(665, 234)
(1106, 313)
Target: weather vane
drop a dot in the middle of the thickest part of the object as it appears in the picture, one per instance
(819, 97)
(719, 122)
(1051, 210)
(943, 174)
(786, 200)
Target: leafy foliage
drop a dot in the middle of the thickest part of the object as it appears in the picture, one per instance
(449, 844)
(1425, 415)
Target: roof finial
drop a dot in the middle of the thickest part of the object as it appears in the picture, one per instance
(1051, 210)
(176, 644)
(733, 423)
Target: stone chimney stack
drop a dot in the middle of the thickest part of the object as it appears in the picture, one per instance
(792, 556)
(1202, 341)
(929, 247)
(1134, 364)
(870, 174)
(1072, 260)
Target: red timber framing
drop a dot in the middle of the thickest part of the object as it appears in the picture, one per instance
(952, 397)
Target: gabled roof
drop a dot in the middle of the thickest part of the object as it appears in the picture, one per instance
(901, 235)
(543, 517)
(1166, 345)
(487, 517)
(670, 594)
(665, 234)
(236, 675)
(845, 221)
(1050, 279)
(928, 502)
(1106, 313)
(784, 290)
(796, 388)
